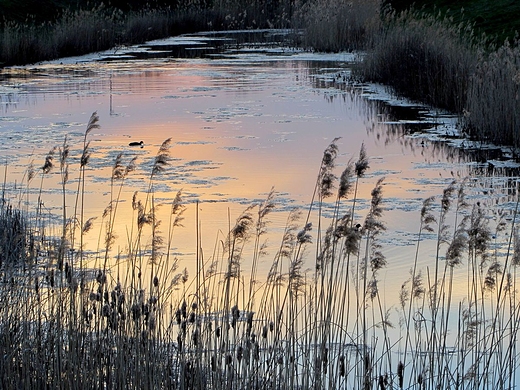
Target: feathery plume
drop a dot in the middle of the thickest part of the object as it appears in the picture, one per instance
(362, 163)
(49, 161)
(118, 170)
(345, 181)
(326, 177)
(162, 160)
(92, 123)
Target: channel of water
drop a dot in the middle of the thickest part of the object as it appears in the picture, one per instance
(243, 117)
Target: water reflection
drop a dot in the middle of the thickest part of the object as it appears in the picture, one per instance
(241, 121)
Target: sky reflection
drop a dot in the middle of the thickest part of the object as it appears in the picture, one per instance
(239, 127)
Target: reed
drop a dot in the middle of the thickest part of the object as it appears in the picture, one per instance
(108, 318)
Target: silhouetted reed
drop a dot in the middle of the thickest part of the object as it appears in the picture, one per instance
(116, 319)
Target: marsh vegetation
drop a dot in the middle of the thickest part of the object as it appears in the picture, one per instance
(75, 317)
(434, 56)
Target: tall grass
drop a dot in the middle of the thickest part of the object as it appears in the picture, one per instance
(75, 317)
(492, 110)
(430, 59)
(103, 27)
(424, 58)
(334, 25)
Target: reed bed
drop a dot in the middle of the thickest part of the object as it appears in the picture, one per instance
(333, 25)
(82, 318)
(492, 110)
(104, 27)
(425, 58)
(430, 59)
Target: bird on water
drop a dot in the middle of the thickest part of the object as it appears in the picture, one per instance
(135, 143)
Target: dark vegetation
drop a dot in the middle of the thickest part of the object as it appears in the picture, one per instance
(129, 318)
(76, 317)
(38, 31)
(451, 58)
(498, 20)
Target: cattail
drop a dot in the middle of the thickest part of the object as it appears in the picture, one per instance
(342, 365)
(95, 297)
(136, 311)
(184, 307)
(400, 374)
(383, 382)
(195, 337)
(180, 342)
(235, 312)
(105, 311)
(101, 277)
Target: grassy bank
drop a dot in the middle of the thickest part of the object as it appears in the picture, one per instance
(134, 319)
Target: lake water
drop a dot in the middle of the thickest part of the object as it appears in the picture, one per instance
(243, 119)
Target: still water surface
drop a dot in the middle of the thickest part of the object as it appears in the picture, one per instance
(242, 121)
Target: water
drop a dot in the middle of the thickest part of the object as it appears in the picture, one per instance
(243, 119)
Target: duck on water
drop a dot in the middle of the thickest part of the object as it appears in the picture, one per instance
(136, 143)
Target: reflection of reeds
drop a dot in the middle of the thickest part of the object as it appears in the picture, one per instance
(317, 320)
